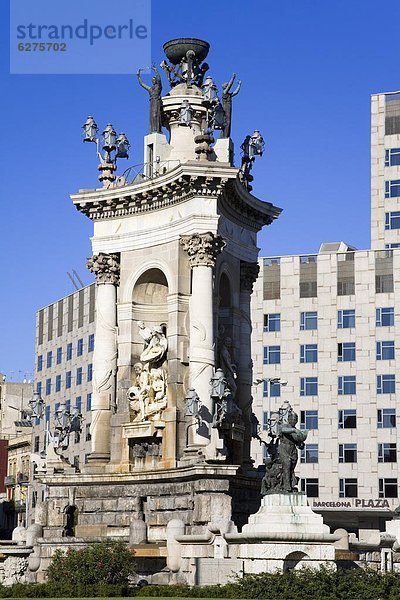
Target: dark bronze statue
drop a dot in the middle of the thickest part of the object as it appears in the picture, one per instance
(155, 99)
(282, 450)
(227, 96)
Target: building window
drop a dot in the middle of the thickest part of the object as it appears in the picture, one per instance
(272, 322)
(386, 418)
(309, 419)
(88, 436)
(40, 363)
(392, 220)
(36, 444)
(272, 355)
(79, 348)
(48, 387)
(39, 387)
(387, 453)
(392, 114)
(271, 278)
(385, 384)
(68, 406)
(348, 488)
(346, 319)
(49, 359)
(309, 386)
(69, 351)
(385, 350)
(308, 277)
(385, 317)
(78, 404)
(79, 376)
(392, 246)
(90, 372)
(89, 402)
(347, 418)
(91, 342)
(58, 383)
(77, 437)
(310, 487)
(345, 274)
(274, 389)
(346, 385)
(309, 454)
(392, 188)
(59, 356)
(308, 353)
(384, 283)
(68, 379)
(76, 463)
(347, 453)
(388, 488)
(347, 352)
(308, 321)
(47, 413)
(265, 420)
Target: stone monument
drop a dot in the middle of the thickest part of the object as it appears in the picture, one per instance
(175, 258)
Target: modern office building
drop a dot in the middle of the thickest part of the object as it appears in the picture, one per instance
(63, 372)
(329, 325)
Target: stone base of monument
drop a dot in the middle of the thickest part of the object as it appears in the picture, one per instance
(285, 533)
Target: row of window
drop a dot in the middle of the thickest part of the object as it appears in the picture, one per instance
(387, 453)
(68, 380)
(69, 353)
(348, 487)
(347, 418)
(392, 157)
(385, 350)
(346, 319)
(347, 385)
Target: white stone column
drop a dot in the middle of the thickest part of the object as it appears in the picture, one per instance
(202, 249)
(106, 269)
(248, 275)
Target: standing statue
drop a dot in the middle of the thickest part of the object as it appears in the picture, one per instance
(282, 449)
(217, 120)
(156, 344)
(155, 99)
(227, 96)
(185, 113)
(227, 365)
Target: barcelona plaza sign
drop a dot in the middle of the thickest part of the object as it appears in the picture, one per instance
(353, 503)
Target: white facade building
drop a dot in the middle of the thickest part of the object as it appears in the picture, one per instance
(329, 324)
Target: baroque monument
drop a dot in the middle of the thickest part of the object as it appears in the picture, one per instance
(175, 258)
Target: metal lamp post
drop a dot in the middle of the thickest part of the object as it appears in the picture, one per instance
(113, 148)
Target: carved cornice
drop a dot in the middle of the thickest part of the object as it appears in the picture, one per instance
(202, 248)
(105, 267)
(248, 275)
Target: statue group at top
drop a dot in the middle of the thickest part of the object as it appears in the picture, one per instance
(186, 56)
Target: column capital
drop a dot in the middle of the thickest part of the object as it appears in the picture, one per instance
(202, 248)
(248, 275)
(105, 267)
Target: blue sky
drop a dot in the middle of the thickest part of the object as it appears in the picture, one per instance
(308, 69)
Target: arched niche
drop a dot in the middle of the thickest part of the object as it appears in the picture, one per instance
(225, 305)
(150, 304)
(295, 560)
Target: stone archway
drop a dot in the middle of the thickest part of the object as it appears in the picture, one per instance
(295, 560)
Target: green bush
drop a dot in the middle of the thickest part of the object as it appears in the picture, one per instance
(102, 563)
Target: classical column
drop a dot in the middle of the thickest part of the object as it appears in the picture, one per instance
(248, 275)
(106, 269)
(202, 250)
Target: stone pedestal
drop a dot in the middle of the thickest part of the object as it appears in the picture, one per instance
(284, 534)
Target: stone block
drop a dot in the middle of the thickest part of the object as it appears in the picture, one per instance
(91, 531)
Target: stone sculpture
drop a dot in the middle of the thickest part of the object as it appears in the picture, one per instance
(283, 448)
(227, 365)
(185, 113)
(227, 96)
(209, 90)
(155, 91)
(148, 394)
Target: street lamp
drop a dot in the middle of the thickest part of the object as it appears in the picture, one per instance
(270, 381)
(37, 404)
(113, 148)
